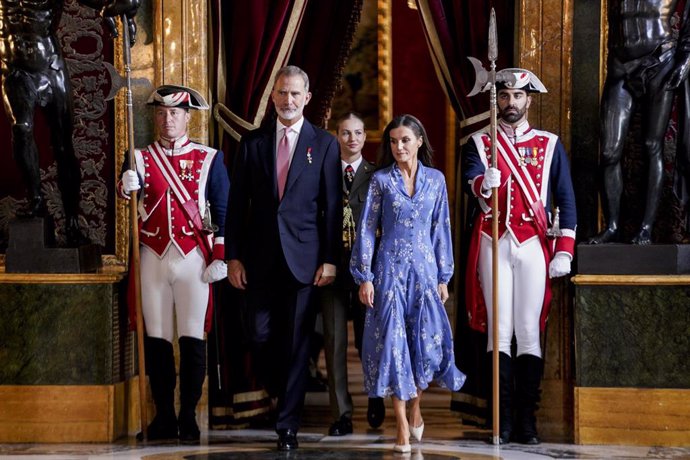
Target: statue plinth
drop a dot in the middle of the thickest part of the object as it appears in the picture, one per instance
(631, 328)
(67, 358)
(28, 251)
(632, 259)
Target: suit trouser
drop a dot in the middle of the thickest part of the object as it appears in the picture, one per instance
(521, 284)
(281, 317)
(335, 302)
(173, 282)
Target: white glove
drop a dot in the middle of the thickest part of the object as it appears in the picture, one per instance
(560, 265)
(130, 181)
(492, 179)
(215, 272)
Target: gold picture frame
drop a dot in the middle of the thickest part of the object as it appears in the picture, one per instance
(370, 61)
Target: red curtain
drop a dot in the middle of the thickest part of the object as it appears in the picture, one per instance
(252, 40)
(322, 48)
(456, 29)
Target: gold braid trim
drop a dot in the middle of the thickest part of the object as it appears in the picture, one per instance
(348, 227)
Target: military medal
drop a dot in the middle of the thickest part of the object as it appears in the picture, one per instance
(186, 170)
(309, 160)
(522, 152)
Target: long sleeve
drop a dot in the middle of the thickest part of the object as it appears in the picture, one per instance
(332, 205)
(218, 190)
(238, 206)
(441, 236)
(561, 185)
(363, 249)
(217, 198)
(473, 169)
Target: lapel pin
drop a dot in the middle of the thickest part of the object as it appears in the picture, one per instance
(309, 159)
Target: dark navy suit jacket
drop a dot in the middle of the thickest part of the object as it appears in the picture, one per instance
(306, 224)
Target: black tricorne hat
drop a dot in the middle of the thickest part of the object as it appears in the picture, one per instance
(177, 96)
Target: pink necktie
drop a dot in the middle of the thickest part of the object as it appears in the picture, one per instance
(283, 162)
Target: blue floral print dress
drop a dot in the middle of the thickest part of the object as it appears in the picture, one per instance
(407, 341)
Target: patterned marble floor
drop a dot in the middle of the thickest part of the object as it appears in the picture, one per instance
(445, 438)
(259, 445)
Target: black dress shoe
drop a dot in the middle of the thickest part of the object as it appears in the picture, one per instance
(341, 427)
(317, 384)
(530, 439)
(189, 431)
(287, 440)
(160, 429)
(376, 412)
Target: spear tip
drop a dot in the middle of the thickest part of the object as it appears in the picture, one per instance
(493, 40)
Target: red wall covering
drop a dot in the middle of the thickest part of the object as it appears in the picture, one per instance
(416, 89)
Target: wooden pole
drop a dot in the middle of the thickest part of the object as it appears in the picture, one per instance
(134, 241)
(493, 55)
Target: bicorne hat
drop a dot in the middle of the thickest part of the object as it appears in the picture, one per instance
(177, 96)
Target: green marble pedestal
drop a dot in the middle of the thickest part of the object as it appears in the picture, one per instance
(62, 358)
(632, 338)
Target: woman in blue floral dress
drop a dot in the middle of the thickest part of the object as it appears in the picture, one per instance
(407, 341)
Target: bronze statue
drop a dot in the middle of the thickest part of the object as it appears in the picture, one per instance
(34, 73)
(647, 61)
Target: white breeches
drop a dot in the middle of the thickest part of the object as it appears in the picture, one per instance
(173, 283)
(521, 284)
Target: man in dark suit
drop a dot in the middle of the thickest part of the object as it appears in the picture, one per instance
(341, 297)
(283, 240)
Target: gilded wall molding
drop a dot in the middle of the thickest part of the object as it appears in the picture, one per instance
(180, 31)
(122, 223)
(385, 77)
(544, 46)
(603, 40)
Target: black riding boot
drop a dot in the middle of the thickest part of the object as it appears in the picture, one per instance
(192, 375)
(528, 373)
(505, 382)
(160, 365)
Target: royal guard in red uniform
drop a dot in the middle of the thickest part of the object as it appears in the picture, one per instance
(182, 249)
(537, 220)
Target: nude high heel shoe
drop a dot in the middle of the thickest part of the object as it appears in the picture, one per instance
(402, 448)
(417, 432)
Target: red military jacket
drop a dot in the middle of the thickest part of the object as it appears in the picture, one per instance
(163, 221)
(534, 170)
